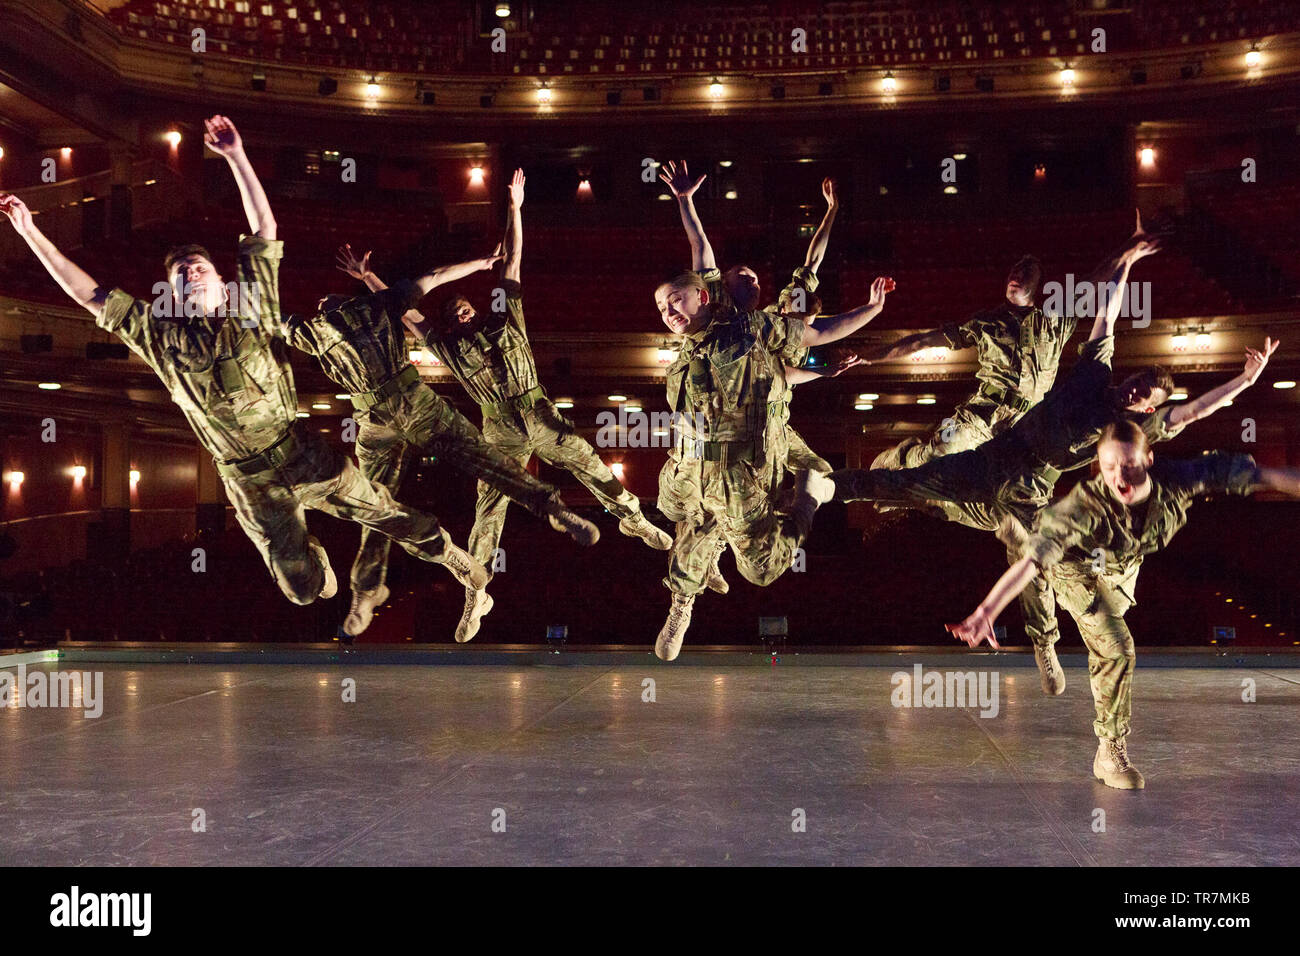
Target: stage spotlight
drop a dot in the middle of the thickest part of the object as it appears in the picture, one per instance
(868, 396)
(321, 406)
(327, 86)
(476, 175)
(173, 138)
(716, 89)
(889, 84)
(259, 81)
(724, 163)
(1253, 58)
(617, 469)
(730, 194)
(543, 94)
(1284, 384)
(503, 10)
(1148, 157)
(564, 403)
(135, 476)
(863, 406)
(16, 479)
(1067, 77)
(66, 152)
(49, 386)
(950, 190)
(373, 89)
(1180, 342)
(926, 400)
(1202, 340)
(79, 472)
(959, 156)
(617, 397)
(303, 415)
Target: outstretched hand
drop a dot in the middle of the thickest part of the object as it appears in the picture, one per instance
(349, 263)
(842, 365)
(1257, 360)
(976, 628)
(1142, 243)
(222, 137)
(828, 193)
(516, 189)
(487, 262)
(18, 213)
(678, 179)
(879, 289)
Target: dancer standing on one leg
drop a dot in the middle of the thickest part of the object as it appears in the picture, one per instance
(1091, 545)
(722, 387)
(225, 365)
(494, 362)
(361, 345)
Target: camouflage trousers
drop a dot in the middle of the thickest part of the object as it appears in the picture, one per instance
(720, 503)
(802, 458)
(971, 424)
(1098, 605)
(544, 432)
(418, 420)
(270, 507)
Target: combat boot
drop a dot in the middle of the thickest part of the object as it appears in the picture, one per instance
(477, 604)
(331, 586)
(564, 519)
(1049, 669)
(1111, 766)
(363, 609)
(639, 526)
(462, 565)
(669, 644)
(716, 581)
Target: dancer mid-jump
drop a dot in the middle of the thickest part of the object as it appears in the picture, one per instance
(226, 366)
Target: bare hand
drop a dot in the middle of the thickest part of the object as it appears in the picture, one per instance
(1142, 243)
(679, 180)
(828, 193)
(222, 137)
(976, 628)
(843, 365)
(349, 263)
(516, 189)
(1256, 360)
(18, 213)
(879, 289)
(487, 262)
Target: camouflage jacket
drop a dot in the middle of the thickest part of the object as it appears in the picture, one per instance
(495, 362)
(233, 384)
(362, 343)
(1019, 349)
(1090, 528)
(730, 373)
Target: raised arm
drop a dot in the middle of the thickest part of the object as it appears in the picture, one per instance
(683, 187)
(1104, 324)
(1209, 403)
(817, 248)
(222, 138)
(832, 328)
(1108, 267)
(514, 241)
(71, 277)
(906, 346)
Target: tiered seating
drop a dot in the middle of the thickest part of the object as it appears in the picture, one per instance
(1264, 216)
(595, 37)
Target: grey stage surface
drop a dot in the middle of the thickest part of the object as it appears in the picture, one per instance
(415, 771)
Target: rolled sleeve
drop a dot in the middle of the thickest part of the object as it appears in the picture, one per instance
(1099, 350)
(778, 333)
(129, 318)
(963, 336)
(1157, 426)
(1060, 527)
(259, 277)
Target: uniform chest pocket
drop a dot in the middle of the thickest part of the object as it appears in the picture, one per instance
(730, 370)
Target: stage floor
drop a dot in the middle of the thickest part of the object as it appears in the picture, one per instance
(582, 770)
